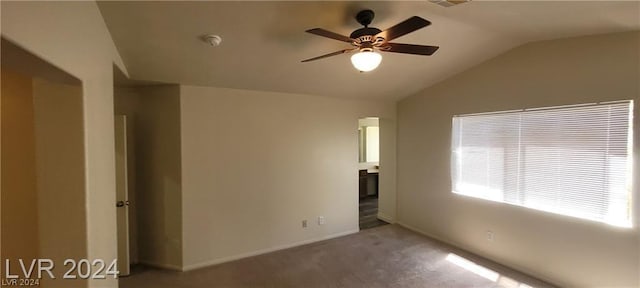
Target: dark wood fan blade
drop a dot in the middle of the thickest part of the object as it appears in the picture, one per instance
(409, 48)
(330, 54)
(329, 34)
(407, 26)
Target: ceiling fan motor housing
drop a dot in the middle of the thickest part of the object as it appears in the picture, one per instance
(365, 36)
(370, 31)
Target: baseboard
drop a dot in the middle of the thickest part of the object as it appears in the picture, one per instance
(267, 250)
(421, 232)
(160, 265)
(462, 247)
(386, 218)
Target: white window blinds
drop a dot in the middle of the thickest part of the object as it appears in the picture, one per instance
(572, 160)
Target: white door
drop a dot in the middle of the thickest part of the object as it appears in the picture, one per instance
(122, 194)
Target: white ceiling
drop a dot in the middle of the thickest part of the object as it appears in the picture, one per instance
(263, 42)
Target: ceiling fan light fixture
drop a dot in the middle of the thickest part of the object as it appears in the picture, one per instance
(366, 60)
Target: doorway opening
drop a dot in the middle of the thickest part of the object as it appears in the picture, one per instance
(126, 200)
(148, 175)
(368, 172)
(43, 165)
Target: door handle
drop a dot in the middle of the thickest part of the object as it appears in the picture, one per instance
(122, 203)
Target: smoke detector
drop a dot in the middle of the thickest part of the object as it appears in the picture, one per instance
(213, 40)
(449, 3)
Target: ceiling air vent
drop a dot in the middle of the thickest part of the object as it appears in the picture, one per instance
(449, 3)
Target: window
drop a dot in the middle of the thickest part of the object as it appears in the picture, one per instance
(570, 160)
(369, 140)
(373, 144)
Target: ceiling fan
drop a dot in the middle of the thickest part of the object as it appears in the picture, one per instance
(368, 40)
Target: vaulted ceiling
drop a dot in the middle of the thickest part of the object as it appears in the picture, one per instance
(264, 42)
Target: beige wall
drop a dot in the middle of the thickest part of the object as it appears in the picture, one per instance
(255, 164)
(154, 112)
(566, 251)
(60, 175)
(73, 37)
(387, 172)
(19, 190)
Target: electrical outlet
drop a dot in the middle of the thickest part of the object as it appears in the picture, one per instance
(320, 220)
(490, 236)
(304, 223)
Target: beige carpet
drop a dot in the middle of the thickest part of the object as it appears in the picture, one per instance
(385, 256)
